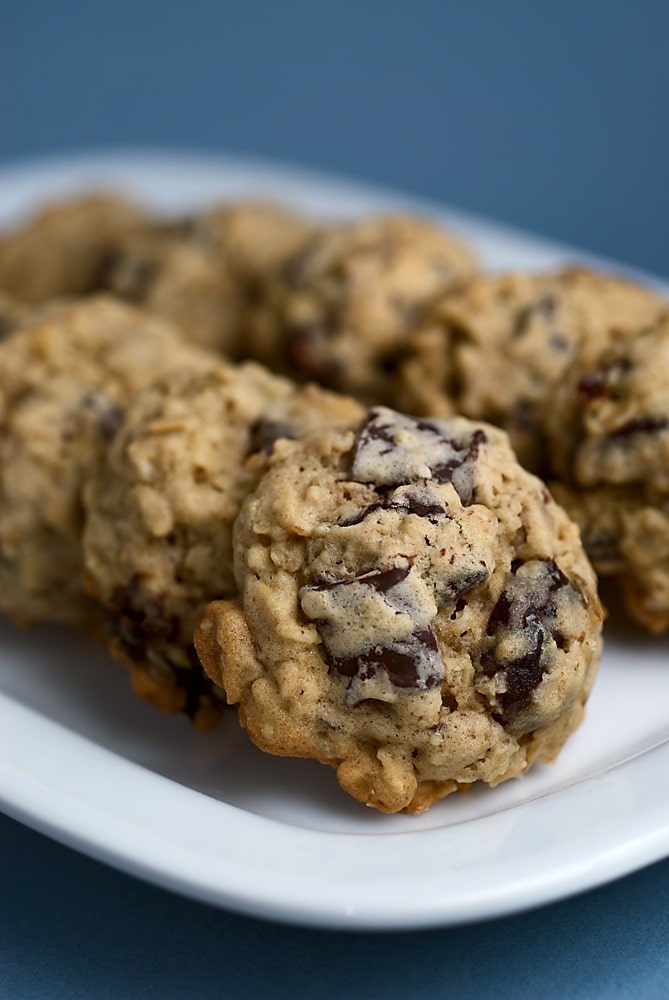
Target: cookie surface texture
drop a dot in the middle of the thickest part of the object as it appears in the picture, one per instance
(414, 610)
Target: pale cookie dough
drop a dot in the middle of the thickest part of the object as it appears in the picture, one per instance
(414, 610)
(609, 436)
(497, 349)
(342, 306)
(160, 510)
(65, 376)
(62, 250)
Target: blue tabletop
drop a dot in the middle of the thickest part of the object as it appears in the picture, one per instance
(550, 116)
(73, 928)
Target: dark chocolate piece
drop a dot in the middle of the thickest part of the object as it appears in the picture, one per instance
(394, 450)
(527, 607)
(265, 433)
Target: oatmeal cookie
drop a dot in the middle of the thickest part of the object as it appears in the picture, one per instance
(171, 274)
(343, 304)
(62, 250)
(609, 437)
(497, 349)
(203, 271)
(415, 610)
(160, 510)
(65, 376)
(254, 237)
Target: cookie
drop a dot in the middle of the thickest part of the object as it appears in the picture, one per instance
(497, 348)
(202, 272)
(62, 249)
(342, 306)
(160, 510)
(169, 273)
(609, 438)
(254, 237)
(414, 610)
(65, 376)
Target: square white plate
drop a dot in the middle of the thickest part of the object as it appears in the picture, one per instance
(210, 816)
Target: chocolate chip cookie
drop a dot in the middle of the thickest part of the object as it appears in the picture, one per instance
(65, 376)
(164, 269)
(160, 510)
(609, 437)
(414, 610)
(499, 347)
(254, 237)
(341, 307)
(63, 248)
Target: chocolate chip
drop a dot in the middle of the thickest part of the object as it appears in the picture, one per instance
(403, 662)
(641, 425)
(138, 619)
(450, 587)
(410, 500)
(392, 450)
(264, 433)
(527, 608)
(396, 638)
(379, 580)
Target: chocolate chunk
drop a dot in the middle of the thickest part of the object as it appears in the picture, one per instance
(138, 619)
(402, 662)
(265, 432)
(415, 499)
(374, 625)
(527, 609)
(379, 580)
(451, 587)
(641, 425)
(393, 450)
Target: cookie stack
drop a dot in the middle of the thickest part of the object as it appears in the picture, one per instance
(275, 435)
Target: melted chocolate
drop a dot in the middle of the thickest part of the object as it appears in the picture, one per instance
(399, 661)
(411, 500)
(530, 611)
(409, 658)
(394, 450)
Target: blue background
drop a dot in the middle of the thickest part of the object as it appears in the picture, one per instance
(551, 116)
(554, 116)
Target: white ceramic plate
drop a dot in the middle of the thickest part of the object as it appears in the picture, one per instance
(210, 816)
